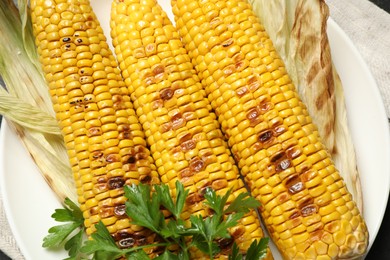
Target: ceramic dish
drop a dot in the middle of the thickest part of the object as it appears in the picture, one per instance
(29, 202)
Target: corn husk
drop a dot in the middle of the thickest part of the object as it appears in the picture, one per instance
(27, 115)
(298, 29)
(25, 102)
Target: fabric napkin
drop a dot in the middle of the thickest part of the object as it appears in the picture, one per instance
(7, 242)
(366, 25)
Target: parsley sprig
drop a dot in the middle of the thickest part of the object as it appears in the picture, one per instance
(71, 233)
(144, 208)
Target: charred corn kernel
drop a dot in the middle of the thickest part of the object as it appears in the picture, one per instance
(183, 134)
(105, 147)
(285, 164)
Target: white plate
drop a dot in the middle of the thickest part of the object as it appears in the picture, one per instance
(29, 202)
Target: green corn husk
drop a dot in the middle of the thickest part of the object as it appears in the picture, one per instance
(25, 102)
(298, 29)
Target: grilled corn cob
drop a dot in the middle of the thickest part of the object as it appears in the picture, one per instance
(104, 139)
(184, 136)
(305, 204)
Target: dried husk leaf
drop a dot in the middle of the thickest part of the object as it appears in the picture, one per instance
(344, 154)
(54, 170)
(298, 29)
(27, 115)
(27, 101)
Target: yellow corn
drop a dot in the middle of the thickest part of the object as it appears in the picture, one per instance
(184, 136)
(305, 204)
(105, 142)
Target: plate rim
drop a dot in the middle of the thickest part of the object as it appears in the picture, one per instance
(386, 123)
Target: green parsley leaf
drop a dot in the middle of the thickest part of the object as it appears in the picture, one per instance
(165, 197)
(58, 234)
(70, 213)
(62, 233)
(199, 239)
(209, 247)
(242, 203)
(174, 229)
(181, 195)
(235, 254)
(105, 255)
(198, 225)
(138, 255)
(101, 244)
(77, 213)
(216, 226)
(144, 208)
(183, 256)
(63, 215)
(215, 202)
(167, 256)
(73, 245)
(167, 201)
(221, 230)
(258, 249)
(206, 228)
